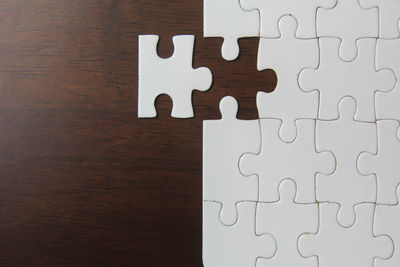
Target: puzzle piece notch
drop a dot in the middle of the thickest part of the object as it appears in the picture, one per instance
(278, 160)
(358, 79)
(287, 102)
(346, 138)
(226, 18)
(388, 56)
(224, 141)
(349, 22)
(384, 164)
(236, 245)
(173, 76)
(287, 45)
(386, 222)
(271, 11)
(298, 218)
(389, 16)
(354, 246)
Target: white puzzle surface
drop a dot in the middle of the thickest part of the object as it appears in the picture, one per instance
(174, 76)
(314, 180)
(298, 218)
(355, 246)
(227, 19)
(224, 142)
(301, 155)
(346, 138)
(272, 10)
(325, 163)
(287, 102)
(348, 22)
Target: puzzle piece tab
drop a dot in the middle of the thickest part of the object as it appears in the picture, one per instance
(272, 10)
(279, 160)
(174, 76)
(388, 56)
(225, 18)
(336, 79)
(389, 16)
(236, 245)
(387, 222)
(349, 22)
(338, 246)
(346, 138)
(287, 102)
(286, 220)
(224, 141)
(385, 164)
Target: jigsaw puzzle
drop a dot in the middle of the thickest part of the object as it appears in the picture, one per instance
(354, 246)
(227, 19)
(224, 141)
(272, 10)
(336, 79)
(173, 76)
(287, 102)
(315, 179)
(389, 16)
(388, 57)
(386, 222)
(348, 22)
(298, 218)
(346, 138)
(300, 155)
(235, 245)
(384, 163)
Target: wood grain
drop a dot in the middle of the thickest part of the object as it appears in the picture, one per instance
(83, 182)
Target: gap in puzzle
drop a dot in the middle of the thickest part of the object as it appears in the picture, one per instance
(315, 180)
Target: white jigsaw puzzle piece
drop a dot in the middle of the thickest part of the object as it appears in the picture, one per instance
(287, 102)
(286, 220)
(335, 245)
(174, 76)
(236, 245)
(224, 141)
(389, 16)
(349, 22)
(388, 56)
(387, 222)
(272, 10)
(385, 164)
(336, 79)
(279, 160)
(226, 18)
(346, 138)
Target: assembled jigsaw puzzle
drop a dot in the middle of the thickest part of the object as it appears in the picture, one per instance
(315, 180)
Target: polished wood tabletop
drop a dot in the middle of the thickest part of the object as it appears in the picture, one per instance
(83, 181)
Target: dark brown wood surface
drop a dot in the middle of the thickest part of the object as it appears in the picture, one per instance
(83, 181)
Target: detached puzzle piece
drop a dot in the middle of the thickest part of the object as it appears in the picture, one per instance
(335, 245)
(389, 16)
(225, 18)
(224, 141)
(387, 222)
(287, 102)
(336, 79)
(279, 160)
(272, 10)
(286, 220)
(385, 164)
(388, 56)
(236, 245)
(349, 22)
(346, 138)
(174, 76)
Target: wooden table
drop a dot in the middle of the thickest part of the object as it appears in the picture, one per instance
(83, 181)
